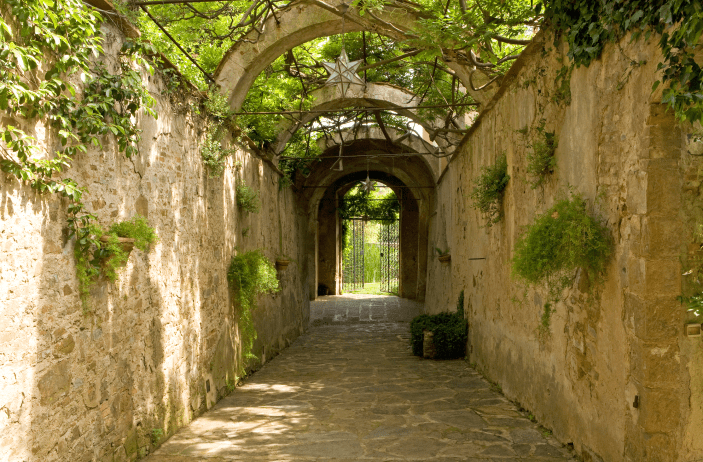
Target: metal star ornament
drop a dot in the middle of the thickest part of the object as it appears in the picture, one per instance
(343, 72)
(369, 184)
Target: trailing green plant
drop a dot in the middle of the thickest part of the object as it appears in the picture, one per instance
(694, 303)
(558, 242)
(541, 162)
(488, 191)
(545, 320)
(441, 252)
(248, 198)
(450, 332)
(250, 274)
(589, 25)
(138, 229)
(156, 435)
(95, 257)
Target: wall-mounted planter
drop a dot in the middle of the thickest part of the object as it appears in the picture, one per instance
(693, 330)
(282, 264)
(444, 258)
(127, 243)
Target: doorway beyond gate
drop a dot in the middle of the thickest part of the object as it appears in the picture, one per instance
(371, 256)
(335, 212)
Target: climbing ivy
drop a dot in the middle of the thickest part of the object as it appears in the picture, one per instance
(589, 25)
(213, 153)
(48, 74)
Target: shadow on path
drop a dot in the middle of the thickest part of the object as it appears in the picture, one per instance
(350, 389)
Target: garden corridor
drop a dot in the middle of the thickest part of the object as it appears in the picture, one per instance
(350, 389)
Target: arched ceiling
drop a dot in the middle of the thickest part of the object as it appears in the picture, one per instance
(400, 161)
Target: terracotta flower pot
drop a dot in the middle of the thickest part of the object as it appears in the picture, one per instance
(282, 263)
(127, 243)
(444, 258)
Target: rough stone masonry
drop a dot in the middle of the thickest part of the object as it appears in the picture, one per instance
(615, 375)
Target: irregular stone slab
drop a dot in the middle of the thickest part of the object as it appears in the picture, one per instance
(354, 392)
(460, 419)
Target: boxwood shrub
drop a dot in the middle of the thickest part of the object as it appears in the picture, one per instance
(450, 334)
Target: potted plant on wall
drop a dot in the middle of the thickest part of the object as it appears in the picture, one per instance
(443, 255)
(282, 262)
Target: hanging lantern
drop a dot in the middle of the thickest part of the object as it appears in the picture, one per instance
(343, 73)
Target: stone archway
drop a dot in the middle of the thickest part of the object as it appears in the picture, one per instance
(306, 20)
(373, 95)
(403, 142)
(319, 193)
(329, 236)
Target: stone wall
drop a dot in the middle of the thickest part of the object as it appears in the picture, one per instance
(111, 384)
(626, 154)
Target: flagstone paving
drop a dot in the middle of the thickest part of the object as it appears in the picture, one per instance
(350, 390)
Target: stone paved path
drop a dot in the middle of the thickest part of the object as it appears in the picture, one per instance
(350, 390)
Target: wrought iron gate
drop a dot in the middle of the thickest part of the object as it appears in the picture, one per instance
(389, 240)
(353, 271)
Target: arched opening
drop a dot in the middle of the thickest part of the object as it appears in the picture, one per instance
(369, 213)
(408, 174)
(330, 236)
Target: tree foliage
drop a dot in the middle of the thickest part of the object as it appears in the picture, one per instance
(379, 204)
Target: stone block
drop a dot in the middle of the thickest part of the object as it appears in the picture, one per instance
(665, 136)
(655, 318)
(636, 271)
(131, 443)
(636, 192)
(662, 237)
(55, 383)
(663, 277)
(64, 346)
(660, 410)
(660, 447)
(655, 364)
(663, 187)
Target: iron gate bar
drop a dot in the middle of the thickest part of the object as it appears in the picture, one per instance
(353, 264)
(390, 261)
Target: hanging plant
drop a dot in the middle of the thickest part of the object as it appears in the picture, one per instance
(250, 274)
(558, 242)
(99, 252)
(488, 190)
